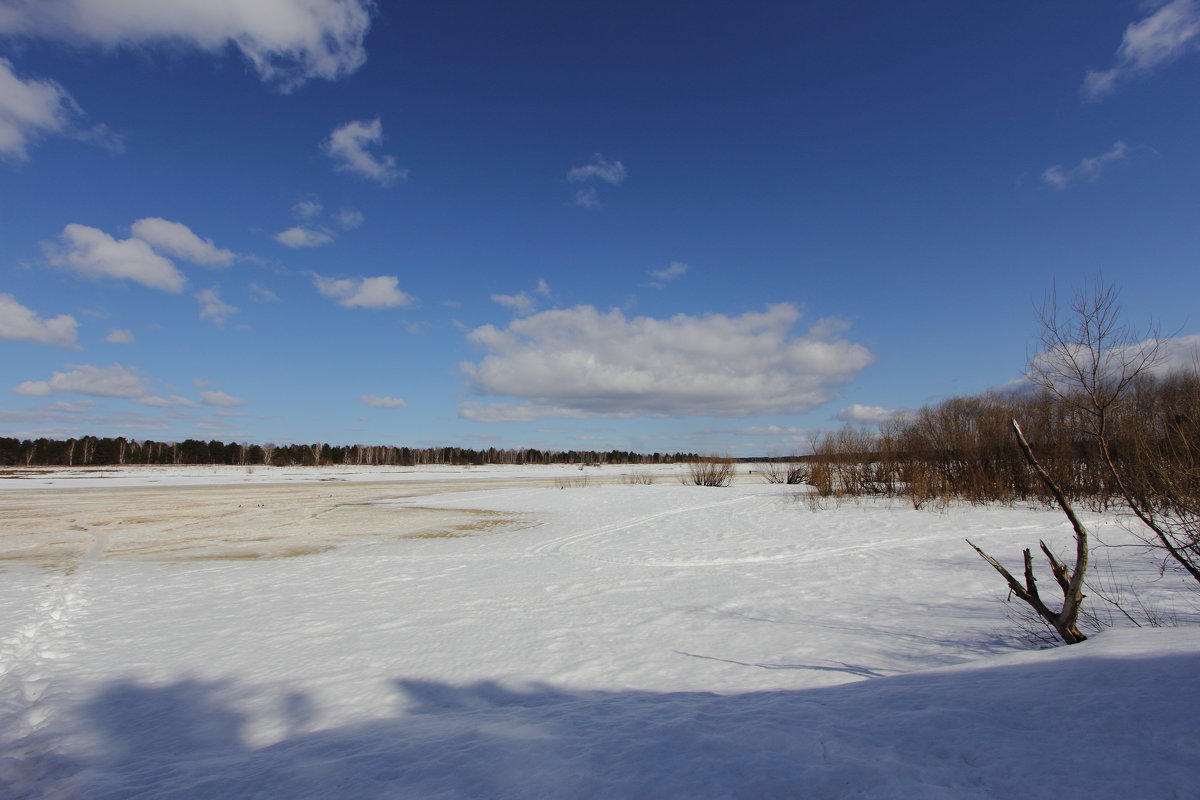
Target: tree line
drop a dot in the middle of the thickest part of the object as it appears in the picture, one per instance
(1101, 426)
(108, 451)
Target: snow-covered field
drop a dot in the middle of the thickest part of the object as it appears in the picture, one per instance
(524, 632)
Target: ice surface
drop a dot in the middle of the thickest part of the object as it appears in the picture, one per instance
(504, 637)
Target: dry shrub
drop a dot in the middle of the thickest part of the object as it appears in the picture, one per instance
(711, 471)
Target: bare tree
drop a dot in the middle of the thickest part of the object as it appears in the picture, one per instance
(1090, 361)
(1070, 581)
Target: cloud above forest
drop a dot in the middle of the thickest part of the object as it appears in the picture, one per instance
(222, 400)
(20, 324)
(859, 414)
(580, 362)
(289, 42)
(112, 381)
(1164, 36)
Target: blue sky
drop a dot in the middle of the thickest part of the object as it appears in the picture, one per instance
(658, 227)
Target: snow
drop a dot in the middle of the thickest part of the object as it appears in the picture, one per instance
(484, 633)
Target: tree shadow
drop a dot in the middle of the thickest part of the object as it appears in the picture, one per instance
(992, 732)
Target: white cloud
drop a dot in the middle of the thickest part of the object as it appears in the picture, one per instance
(288, 41)
(114, 381)
(382, 402)
(521, 303)
(94, 254)
(664, 276)
(587, 197)
(601, 168)
(174, 401)
(347, 146)
(307, 210)
(1173, 30)
(178, 240)
(119, 336)
(303, 237)
(30, 109)
(378, 292)
(212, 308)
(1179, 354)
(349, 218)
(1089, 169)
(519, 412)
(772, 430)
(867, 415)
(580, 362)
(20, 324)
(261, 294)
(77, 407)
(221, 399)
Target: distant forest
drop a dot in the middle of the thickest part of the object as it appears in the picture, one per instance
(104, 451)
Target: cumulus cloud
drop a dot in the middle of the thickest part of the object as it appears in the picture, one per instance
(1171, 31)
(221, 399)
(664, 276)
(212, 308)
(300, 236)
(579, 362)
(288, 41)
(348, 147)
(119, 336)
(178, 240)
(113, 381)
(94, 254)
(20, 324)
(382, 402)
(1089, 169)
(377, 292)
(867, 415)
(29, 110)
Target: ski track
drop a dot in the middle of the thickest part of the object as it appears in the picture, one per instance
(558, 547)
(568, 546)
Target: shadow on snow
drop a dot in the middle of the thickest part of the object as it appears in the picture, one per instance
(1089, 725)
